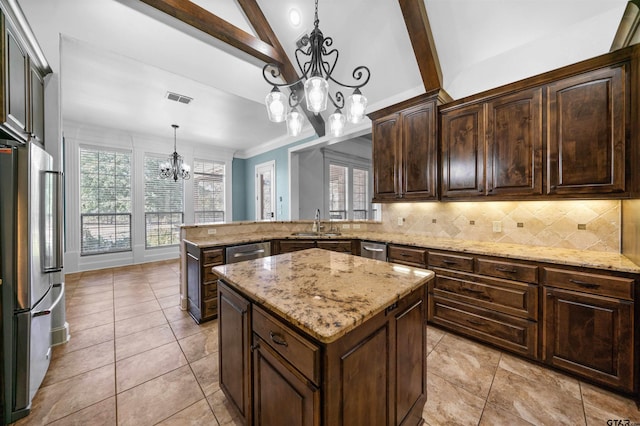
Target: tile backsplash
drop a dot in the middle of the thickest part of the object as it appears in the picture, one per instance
(583, 225)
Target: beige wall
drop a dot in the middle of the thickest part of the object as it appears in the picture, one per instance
(544, 223)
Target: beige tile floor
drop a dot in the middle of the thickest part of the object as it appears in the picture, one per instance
(135, 358)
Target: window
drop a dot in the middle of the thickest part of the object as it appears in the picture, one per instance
(337, 191)
(208, 191)
(360, 193)
(105, 201)
(163, 202)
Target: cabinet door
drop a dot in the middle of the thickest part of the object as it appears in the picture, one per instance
(514, 144)
(587, 133)
(36, 121)
(590, 336)
(463, 152)
(234, 354)
(419, 153)
(281, 395)
(386, 160)
(339, 246)
(411, 364)
(15, 95)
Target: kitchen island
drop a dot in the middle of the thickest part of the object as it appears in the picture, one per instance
(318, 337)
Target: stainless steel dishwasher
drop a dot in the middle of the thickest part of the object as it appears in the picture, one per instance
(244, 252)
(377, 251)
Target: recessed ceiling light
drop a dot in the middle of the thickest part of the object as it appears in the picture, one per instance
(294, 17)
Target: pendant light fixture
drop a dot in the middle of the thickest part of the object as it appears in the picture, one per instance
(316, 75)
(174, 167)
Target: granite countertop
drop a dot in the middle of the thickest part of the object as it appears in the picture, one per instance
(558, 256)
(324, 293)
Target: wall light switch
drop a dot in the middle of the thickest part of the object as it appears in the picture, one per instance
(212, 231)
(356, 226)
(400, 221)
(497, 226)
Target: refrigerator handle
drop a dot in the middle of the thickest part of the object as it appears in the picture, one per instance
(54, 229)
(53, 305)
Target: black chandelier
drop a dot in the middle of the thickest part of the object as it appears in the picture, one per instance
(174, 167)
(317, 73)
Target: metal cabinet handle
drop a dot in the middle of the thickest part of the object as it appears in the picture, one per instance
(472, 290)
(449, 262)
(475, 322)
(404, 254)
(372, 249)
(278, 339)
(583, 283)
(509, 270)
(248, 253)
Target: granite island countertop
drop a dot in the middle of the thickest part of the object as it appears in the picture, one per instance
(555, 255)
(324, 293)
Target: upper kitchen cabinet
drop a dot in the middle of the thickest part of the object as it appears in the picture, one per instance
(21, 86)
(405, 150)
(567, 133)
(463, 170)
(587, 121)
(493, 148)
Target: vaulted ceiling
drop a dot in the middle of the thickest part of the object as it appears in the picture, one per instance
(117, 59)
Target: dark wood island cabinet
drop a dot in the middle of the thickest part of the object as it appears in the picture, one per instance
(300, 346)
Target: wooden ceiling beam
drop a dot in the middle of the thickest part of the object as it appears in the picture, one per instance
(205, 21)
(265, 47)
(424, 48)
(264, 31)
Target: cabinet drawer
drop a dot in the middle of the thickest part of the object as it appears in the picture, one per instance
(509, 297)
(508, 270)
(210, 290)
(291, 246)
(516, 334)
(604, 285)
(208, 276)
(210, 308)
(451, 261)
(408, 255)
(339, 246)
(213, 256)
(301, 353)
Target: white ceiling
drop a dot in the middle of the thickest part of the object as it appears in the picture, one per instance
(118, 58)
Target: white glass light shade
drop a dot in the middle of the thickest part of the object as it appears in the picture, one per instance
(336, 123)
(316, 91)
(294, 122)
(356, 105)
(276, 108)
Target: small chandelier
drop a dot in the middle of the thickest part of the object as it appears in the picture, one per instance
(174, 167)
(317, 73)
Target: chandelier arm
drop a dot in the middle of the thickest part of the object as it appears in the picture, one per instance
(357, 74)
(338, 102)
(331, 55)
(276, 73)
(294, 101)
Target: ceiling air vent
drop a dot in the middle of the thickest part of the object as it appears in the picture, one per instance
(179, 98)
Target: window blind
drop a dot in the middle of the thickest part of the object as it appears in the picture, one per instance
(163, 206)
(208, 191)
(338, 191)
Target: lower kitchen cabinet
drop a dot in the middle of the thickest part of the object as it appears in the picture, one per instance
(589, 332)
(234, 353)
(289, 246)
(202, 282)
(287, 377)
(411, 256)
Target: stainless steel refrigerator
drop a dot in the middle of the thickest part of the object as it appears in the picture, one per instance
(30, 250)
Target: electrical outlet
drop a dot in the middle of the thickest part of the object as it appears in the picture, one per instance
(346, 226)
(212, 231)
(400, 221)
(356, 226)
(497, 226)
(582, 226)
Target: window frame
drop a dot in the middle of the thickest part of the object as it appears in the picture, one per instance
(350, 162)
(82, 214)
(223, 194)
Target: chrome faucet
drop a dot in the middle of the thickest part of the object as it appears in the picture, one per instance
(316, 222)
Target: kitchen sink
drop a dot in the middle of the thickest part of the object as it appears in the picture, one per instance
(315, 234)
